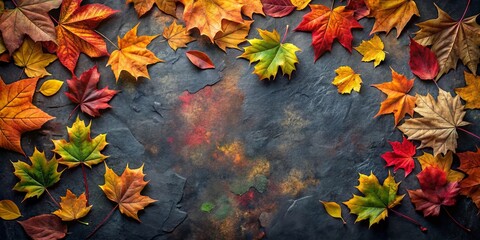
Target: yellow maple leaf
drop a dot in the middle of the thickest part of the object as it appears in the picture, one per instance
(30, 56)
(72, 208)
(132, 55)
(177, 36)
(372, 50)
(391, 14)
(347, 80)
(232, 34)
(471, 92)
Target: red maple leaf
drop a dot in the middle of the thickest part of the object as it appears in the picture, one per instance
(359, 8)
(85, 93)
(401, 156)
(327, 25)
(435, 191)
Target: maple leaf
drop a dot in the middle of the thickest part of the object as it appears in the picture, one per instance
(278, 8)
(359, 8)
(45, 226)
(441, 162)
(300, 4)
(372, 50)
(17, 113)
(347, 80)
(232, 34)
(471, 92)
(207, 15)
(85, 93)
(435, 192)
(423, 61)
(271, 54)
(9, 210)
(377, 200)
(72, 208)
(437, 128)
(125, 190)
(143, 6)
(470, 186)
(81, 149)
(132, 55)
(327, 25)
(398, 101)
(177, 36)
(36, 178)
(76, 31)
(30, 56)
(401, 156)
(30, 17)
(451, 40)
(391, 14)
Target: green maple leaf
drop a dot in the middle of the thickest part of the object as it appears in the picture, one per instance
(35, 178)
(271, 54)
(81, 149)
(378, 198)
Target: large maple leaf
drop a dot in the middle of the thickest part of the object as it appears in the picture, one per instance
(437, 128)
(435, 191)
(470, 186)
(451, 40)
(327, 25)
(471, 92)
(271, 54)
(125, 190)
(132, 55)
(401, 156)
(391, 14)
(75, 31)
(398, 101)
(17, 113)
(36, 178)
(81, 149)
(85, 93)
(31, 18)
(377, 200)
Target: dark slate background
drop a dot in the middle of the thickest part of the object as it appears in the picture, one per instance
(302, 124)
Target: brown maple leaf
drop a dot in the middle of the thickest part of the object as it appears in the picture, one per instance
(17, 113)
(451, 40)
(391, 14)
(31, 18)
(143, 6)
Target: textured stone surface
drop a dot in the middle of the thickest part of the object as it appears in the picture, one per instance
(194, 146)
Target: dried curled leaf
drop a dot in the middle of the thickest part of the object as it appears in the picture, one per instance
(347, 80)
(51, 87)
(9, 210)
(437, 128)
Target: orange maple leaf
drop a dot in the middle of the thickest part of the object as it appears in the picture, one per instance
(125, 190)
(143, 6)
(132, 55)
(391, 14)
(75, 31)
(17, 113)
(398, 101)
(470, 186)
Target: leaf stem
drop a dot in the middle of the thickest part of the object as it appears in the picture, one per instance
(422, 228)
(285, 34)
(455, 221)
(54, 19)
(333, 4)
(106, 38)
(51, 197)
(73, 111)
(465, 12)
(85, 183)
(15, 3)
(82, 222)
(20, 74)
(102, 222)
(466, 131)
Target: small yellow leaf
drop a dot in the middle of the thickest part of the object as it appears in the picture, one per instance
(372, 50)
(333, 209)
(51, 87)
(9, 210)
(300, 4)
(347, 80)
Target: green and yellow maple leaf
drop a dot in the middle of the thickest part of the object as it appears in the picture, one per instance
(378, 198)
(271, 54)
(81, 149)
(36, 178)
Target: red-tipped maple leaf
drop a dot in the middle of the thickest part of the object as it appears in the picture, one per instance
(75, 31)
(435, 191)
(327, 25)
(423, 61)
(401, 156)
(85, 93)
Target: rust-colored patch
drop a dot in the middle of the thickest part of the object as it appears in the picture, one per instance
(296, 181)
